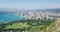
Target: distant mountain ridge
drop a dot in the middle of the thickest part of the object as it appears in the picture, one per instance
(50, 10)
(57, 10)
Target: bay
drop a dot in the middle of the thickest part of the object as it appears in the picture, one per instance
(5, 18)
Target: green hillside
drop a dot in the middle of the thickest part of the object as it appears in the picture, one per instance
(27, 25)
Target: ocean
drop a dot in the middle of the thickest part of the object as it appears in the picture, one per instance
(5, 17)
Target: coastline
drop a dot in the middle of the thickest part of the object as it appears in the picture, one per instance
(8, 18)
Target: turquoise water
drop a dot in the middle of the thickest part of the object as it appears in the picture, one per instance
(9, 17)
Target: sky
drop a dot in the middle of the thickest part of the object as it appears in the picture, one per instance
(30, 4)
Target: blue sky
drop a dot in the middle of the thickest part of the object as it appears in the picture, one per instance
(30, 4)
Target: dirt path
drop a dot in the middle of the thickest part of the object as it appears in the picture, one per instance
(57, 24)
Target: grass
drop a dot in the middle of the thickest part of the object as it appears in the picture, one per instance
(17, 26)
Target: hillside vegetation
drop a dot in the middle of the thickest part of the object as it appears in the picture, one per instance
(28, 25)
